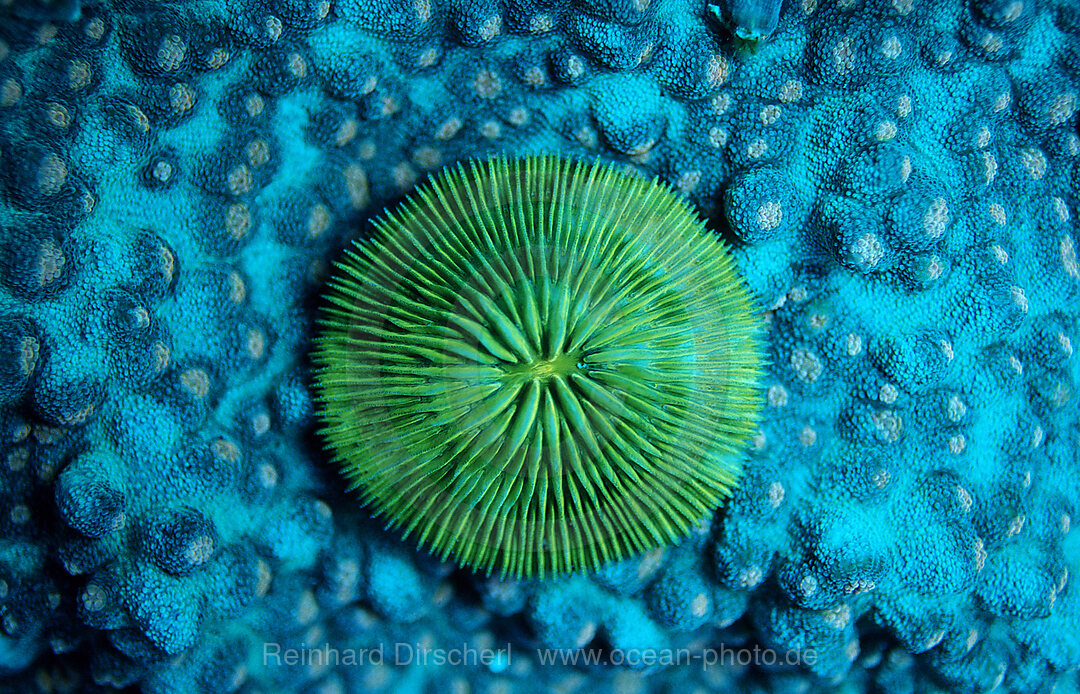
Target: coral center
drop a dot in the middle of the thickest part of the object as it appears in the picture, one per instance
(559, 366)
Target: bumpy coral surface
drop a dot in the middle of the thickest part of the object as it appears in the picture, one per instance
(898, 178)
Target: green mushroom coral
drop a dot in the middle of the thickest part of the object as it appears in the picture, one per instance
(539, 365)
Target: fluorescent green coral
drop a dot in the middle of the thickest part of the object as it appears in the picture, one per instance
(539, 366)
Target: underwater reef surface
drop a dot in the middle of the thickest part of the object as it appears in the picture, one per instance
(899, 179)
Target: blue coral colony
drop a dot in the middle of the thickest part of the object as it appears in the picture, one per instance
(899, 179)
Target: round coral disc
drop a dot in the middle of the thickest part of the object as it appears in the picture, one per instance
(537, 366)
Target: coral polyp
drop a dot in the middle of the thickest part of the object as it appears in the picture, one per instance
(538, 366)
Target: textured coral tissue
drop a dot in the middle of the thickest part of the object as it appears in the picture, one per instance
(897, 181)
